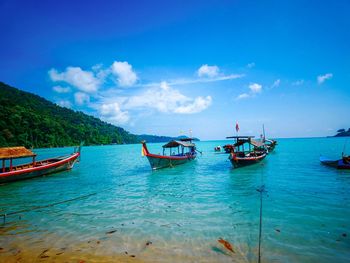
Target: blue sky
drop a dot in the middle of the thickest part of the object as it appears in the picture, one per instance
(167, 67)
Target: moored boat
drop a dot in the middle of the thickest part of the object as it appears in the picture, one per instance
(11, 172)
(180, 152)
(246, 151)
(270, 144)
(343, 163)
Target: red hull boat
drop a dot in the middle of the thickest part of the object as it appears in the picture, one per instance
(163, 161)
(241, 156)
(35, 168)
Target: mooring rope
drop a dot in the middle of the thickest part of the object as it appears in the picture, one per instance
(44, 206)
(261, 190)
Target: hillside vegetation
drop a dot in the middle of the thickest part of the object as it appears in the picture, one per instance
(29, 120)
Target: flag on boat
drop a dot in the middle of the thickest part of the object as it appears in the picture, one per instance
(237, 127)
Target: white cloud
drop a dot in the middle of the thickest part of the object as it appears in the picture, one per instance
(123, 71)
(255, 88)
(251, 65)
(60, 89)
(208, 71)
(112, 113)
(64, 103)
(165, 99)
(81, 98)
(276, 83)
(242, 96)
(323, 78)
(75, 76)
(198, 105)
(298, 82)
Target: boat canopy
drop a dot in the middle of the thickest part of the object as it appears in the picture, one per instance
(15, 152)
(256, 143)
(172, 144)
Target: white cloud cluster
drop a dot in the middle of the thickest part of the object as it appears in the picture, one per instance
(114, 104)
(91, 81)
(165, 99)
(83, 80)
(124, 73)
(199, 104)
(323, 78)
(112, 113)
(255, 88)
(208, 71)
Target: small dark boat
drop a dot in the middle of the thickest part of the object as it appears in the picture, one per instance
(217, 148)
(241, 156)
(180, 152)
(10, 172)
(343, 163)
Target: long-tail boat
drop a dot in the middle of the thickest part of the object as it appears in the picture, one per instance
(246, 151)
(343, 163)
(270, 144)
(10, 172)
(180, 152)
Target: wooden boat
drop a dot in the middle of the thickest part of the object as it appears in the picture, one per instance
(180, 152)
(10, 172)
(270, 144)
(343, 163)
(217, 148)
(241, 156)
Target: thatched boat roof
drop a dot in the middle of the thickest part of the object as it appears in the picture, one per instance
(15, 152)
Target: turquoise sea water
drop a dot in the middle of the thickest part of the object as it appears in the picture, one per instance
(184, 210)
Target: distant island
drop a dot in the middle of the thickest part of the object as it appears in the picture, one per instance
(32, 121)
(342, 133)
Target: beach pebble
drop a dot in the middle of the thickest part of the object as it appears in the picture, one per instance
(148, 243)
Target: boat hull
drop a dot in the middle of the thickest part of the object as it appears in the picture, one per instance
(339, 164)
(41, 168)
(238, 162)
(160, 161)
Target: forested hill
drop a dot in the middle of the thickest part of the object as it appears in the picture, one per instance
(29, 120)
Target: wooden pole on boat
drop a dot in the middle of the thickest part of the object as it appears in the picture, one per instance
(10, 164)
(3, 165)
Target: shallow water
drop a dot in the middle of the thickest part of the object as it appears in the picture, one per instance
(178, 214)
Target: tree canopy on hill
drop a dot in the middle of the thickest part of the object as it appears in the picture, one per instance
(343, 133)
(29, 120)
